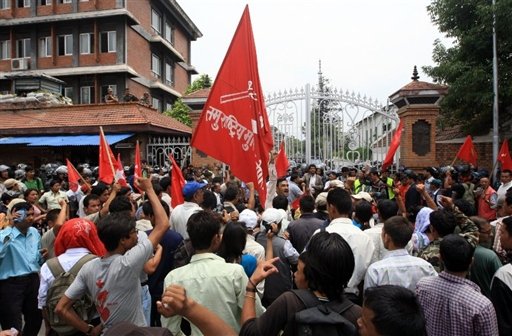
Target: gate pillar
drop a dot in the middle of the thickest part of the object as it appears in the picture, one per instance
(418, 108)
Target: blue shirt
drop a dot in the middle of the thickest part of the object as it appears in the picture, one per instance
(19, 254)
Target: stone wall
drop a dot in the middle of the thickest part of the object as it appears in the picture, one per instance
(445, 153)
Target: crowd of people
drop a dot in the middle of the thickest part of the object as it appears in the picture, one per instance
(380, 252)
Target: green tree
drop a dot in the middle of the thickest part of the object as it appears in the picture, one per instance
(180, 111)
(466, 66)
(202, 82)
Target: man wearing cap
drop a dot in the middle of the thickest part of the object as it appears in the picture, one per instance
(193, 195)
(250, 219)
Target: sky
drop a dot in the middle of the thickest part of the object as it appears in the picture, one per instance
(366, 46)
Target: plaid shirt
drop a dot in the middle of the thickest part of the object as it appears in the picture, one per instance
(455, 306)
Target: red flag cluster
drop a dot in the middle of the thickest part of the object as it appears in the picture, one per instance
(467, 151)
(233, 126)
(504, 156)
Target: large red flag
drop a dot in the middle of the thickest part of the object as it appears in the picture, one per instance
(177, 183)
(504, 156)
(73, 176)
(106, 161)
(467, 151)
(393, 146)
(282, 162)
(120, 177)
(233, 126)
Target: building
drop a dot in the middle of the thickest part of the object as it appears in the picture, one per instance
(91, 45)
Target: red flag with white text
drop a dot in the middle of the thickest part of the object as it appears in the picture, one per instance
(282, 162)
(177, 183)
(467, 151)
(393, 146)
(233, 126)
(73, 176)
(106, 172)
(120, 177)
(504, 156)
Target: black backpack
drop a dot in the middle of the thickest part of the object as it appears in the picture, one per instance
(322, 318)
(183, 253)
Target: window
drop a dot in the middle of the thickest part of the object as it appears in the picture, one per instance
(5, 4)
(156, 104)
(168, 32)
(65, 45)
(155, 65)
(23, 48)
(23, 3)
(169, 73)
(168, 106)
(45, 46)
(45, 2)
(68, 92)
(108, 41)
(86, 43)
(5, 49)
(156, 21)
(86, 94)
(65, 1)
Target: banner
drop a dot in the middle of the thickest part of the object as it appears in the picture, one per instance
(467, 151)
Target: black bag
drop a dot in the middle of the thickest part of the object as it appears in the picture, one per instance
(322, 318)
(183, 253)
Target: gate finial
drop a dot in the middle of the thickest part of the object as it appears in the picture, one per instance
(415, 76)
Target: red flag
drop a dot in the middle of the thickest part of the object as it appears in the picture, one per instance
(137, 172)
(120, 177)
(467, 151)
(177, 183)
(73, 176)
(282, 163)
(503, 156)
(106, 161)
(233, 126)
(393, 146)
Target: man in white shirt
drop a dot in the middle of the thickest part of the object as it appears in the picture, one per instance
(386, 209)
(193, 195)
(398, 267)
(339, 206)
(506, 183)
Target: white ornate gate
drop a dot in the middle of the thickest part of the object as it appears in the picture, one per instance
(159, 148)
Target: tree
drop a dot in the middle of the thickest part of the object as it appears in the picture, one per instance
(202, 82)
(466, 66)
(180, 111)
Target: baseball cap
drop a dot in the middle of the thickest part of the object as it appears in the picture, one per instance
(249, 218)
(9, 183)
(3, 168)
(191, 187)
(321, 199)
(363, 195)
(272, 215)
(336, 184)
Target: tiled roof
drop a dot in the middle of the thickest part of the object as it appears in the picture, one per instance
(73, 117)
(202, 93)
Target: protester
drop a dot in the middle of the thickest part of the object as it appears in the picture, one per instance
(193, 195)
(301, 230)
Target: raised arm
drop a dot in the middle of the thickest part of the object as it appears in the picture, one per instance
(161, 220)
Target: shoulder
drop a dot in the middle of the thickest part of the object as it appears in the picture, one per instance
(504, 273)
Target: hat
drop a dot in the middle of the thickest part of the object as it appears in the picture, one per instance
(191, 187)
(336, 184)
(13, 203)
(321, 199)
(436, 182)
(249, 218)
(128, 329)
(272, 215)
(3, 168)
(363, 195)
(9, 183)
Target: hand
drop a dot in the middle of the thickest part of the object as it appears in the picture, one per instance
(143, 183)
(44, 252)
(446, 202)
(286, 235)
(250, 185)
(225, 216)
(62, 202)
(420, 188)
(234, 215)
(264, 269)
(273, 231)
(96, 331)
(6, 333)
(116, 187)
(174, 302)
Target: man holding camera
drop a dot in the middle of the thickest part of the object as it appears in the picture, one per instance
(20, 261)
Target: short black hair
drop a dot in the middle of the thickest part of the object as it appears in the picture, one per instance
(443, 221)
(507, 222)
(387, 208)
(28, 191)
(280, 202)
(396, 311)
(307, 204)
(465, 207)
(230, 194)
(51, 216)
(341, 200)
(280, 180)
(209, 200)
(99, 188)
(363, 211)
(21, 206)
(202, 228)
(165, 182)
(329, 264)
(113, 227)
(294, 176)
(234, 238)
(147, 208)
(89, 198)
(456, 253)
(399, 229)
(54, 181)
(120, 204)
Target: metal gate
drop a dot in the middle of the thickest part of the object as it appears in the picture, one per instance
(159, 148)
(330, 127)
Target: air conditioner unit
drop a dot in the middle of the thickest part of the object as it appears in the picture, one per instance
(20, 63)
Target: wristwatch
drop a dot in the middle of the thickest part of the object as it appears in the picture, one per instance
(89, 330)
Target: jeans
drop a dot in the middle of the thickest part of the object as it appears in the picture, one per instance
(146, 303)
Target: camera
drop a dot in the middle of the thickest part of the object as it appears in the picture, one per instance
(268, 226)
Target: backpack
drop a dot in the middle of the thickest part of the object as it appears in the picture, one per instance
(183, 253)
(322, 318)
(63, 280)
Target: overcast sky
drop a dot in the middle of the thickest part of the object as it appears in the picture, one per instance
(366, 46)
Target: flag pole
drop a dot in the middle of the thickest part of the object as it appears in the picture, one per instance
(81, 177)
(454, 159)
(109, 158)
